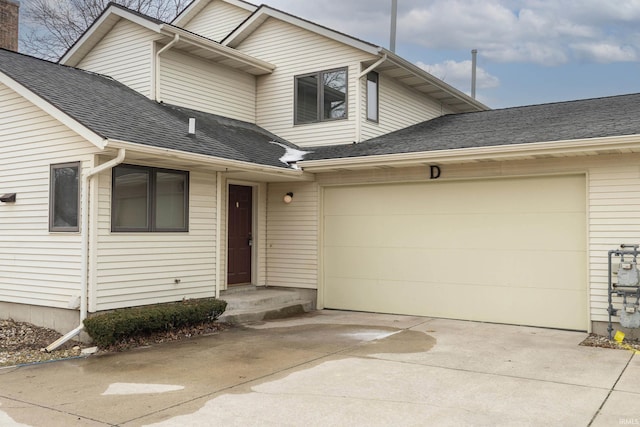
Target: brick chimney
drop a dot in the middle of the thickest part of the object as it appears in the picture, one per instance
(9, 24)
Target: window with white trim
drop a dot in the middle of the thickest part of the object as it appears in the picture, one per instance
(321, 96)
(149, 199)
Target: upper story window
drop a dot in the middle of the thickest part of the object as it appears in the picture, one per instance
(372, 96)
(321, 96)
(149, 199)
(64, 197)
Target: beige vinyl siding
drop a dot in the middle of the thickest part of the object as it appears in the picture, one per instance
(297, 51)
(292, 236)
(126, 54)
(217, 20)
(261, 234)
(141, 268)
(399, 107)
(206, 86)
(614, 204)
(36, 266)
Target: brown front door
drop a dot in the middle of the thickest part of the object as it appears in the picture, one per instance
(239, 235)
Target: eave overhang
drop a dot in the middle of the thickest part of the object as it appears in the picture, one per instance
(529, 151)
(189, 42)
(420, 80)
(151, 154)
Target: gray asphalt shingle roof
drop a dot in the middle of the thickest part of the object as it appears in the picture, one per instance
(113, 110)
(589, 118)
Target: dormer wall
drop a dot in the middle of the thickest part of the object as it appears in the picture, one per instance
(216, 20)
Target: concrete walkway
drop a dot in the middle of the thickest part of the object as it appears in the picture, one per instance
(333, 368)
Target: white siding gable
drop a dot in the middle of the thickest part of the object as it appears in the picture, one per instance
(217, 20)
(298, 51)
(126, 54)
(203, 85)
(38, 267)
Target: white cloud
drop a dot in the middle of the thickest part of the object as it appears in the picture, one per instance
(545, 32)
(604, 52)
(458, 74)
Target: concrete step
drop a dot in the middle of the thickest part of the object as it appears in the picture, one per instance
(253, 304)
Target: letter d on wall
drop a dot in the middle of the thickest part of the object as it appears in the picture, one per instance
(435, 172)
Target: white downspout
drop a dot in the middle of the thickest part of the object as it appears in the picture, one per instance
(358, 90)
(156, 88)
(218, 231)
(84, 246)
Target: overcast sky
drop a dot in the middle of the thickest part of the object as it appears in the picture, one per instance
(529, 51)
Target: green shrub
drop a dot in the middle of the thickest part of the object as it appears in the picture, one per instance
(108, 328)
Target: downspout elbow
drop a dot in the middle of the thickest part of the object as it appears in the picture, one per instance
(156, 89)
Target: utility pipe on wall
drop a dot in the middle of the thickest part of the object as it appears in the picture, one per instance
(394, 18)
(474, 61)
(84, 246)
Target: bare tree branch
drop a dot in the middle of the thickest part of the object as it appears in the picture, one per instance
(52, 26)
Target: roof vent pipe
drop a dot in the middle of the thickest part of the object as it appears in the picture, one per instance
(474, 61)
(394, 18)
(192, 126)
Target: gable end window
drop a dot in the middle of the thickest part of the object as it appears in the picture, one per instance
(321, 96)
(64, 197)
(372, 96)
(149, 199)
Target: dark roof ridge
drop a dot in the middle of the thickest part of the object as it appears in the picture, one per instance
(552, 103)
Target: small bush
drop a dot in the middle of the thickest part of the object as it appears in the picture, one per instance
(108, 328)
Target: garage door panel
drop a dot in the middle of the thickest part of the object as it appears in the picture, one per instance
(488, 231)
(487, 268)
(530, 306)
(494, 261)
(524, 195)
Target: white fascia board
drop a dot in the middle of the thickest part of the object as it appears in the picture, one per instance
(496, 152)
(92, 36)
(215, 162)
(53, 111)
(196, 7)
(414, 69)
(266, 11)
(205, 43)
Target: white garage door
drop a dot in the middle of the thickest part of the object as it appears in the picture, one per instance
(500, 250)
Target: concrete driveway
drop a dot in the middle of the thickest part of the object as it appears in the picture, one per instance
(337, 368)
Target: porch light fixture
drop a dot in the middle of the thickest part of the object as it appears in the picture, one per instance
(8, 198)
(288, 197)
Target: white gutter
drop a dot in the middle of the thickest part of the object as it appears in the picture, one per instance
(218, 231)
(496, 152)
(84, 255)
(358, 95)
(156, 86)
(204, 159)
